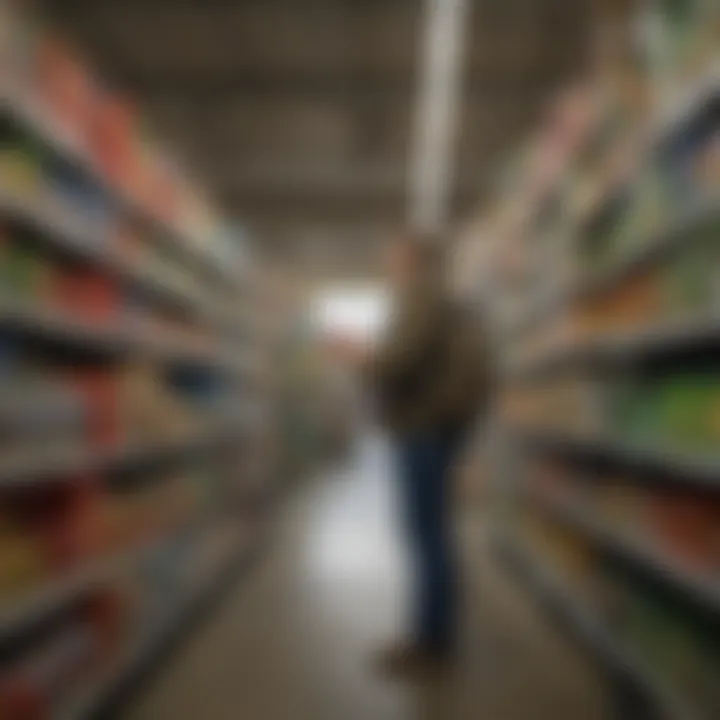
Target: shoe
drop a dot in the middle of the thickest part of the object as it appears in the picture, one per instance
(411, 659)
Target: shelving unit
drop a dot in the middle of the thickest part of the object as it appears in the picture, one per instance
(115, 684)
(121, 338)
(125, 315)
(29, 611)
(68, 235)
(703, 591)
(676, 336)
(28, 113)
(684, 469)
(609, 471)
(27, 467)
(538, 577)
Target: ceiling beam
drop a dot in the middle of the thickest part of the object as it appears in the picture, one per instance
(215, 85)
(431, 172)
(302, 206)
(84, 6)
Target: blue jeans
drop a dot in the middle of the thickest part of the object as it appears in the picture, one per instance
(425, 461)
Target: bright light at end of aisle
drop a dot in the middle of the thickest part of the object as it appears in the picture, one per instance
(355, 313)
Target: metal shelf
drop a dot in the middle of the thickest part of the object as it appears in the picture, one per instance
(146, 649)
(26, 612)
(74, 234)
(644, 252)
(672, 119)
(34, 606)
(29, 465)
(688, 102)
(119, 339)
(658, 243)
(702, 591)
(683, 468)
(659, 338)
(537, 575)
(26, 466)
(62, 228)
(678, 113)
(31, 116)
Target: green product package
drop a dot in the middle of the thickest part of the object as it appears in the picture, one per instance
(709, 405)
(679, 29)
(691, 278)
(681, 410)
(17, 269)
(636, 409)
(20, 165)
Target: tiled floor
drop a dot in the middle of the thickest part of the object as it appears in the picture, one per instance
(294, 640)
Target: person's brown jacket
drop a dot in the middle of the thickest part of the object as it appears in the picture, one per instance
(432, 372)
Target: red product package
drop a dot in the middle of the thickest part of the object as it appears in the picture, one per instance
(106, 612)
(113, 141)
(101, 298)
(86, 294)
(144, 175)
(128, 241)
(685, 528)
(65, 87)
(100, 390)
(164, 193)
(69, 520)
(20, 699)
(35, 687)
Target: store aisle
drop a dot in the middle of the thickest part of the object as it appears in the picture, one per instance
(294, 640)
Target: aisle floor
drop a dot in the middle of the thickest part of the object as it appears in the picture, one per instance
(295, 638)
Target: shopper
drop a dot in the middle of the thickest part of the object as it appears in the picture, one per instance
(431, 379)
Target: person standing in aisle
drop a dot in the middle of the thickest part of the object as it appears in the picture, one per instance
(430, 377)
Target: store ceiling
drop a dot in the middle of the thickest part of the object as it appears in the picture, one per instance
(298, 113)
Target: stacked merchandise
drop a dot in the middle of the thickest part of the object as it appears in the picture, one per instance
(611, 389)
(121, 381)
(269, 322)
(302, 381)
(314, 408)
